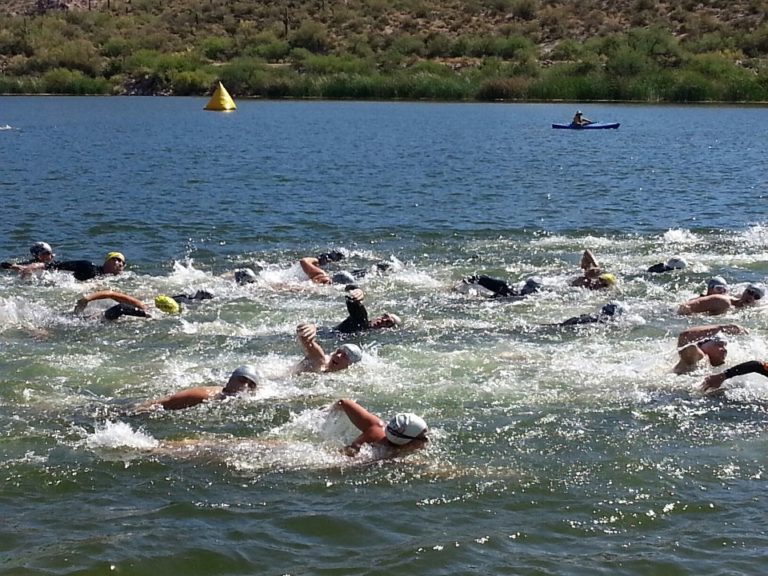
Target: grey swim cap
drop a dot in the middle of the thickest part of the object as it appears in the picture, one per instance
(758, 291)
(39, 248)
(248, 372)
(404, 428)
(245, 276)
(676, 264)
(717, 282)
(353, 352)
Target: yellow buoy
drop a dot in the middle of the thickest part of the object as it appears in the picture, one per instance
(221, 100)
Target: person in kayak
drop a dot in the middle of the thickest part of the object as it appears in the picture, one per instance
(580, 120)
(699, 342)
(716, 304)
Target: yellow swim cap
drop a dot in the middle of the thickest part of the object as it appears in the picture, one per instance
(609, 279)
(167, 304)
(118, 255)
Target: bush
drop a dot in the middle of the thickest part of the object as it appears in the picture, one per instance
(189, 83)
(62, 81)
(217, 47)
(312, 36)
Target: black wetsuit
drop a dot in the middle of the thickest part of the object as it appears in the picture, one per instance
(753, 366)
(83, 269)
(357, 320)
(606, 314)
(500, 288)
(119, 310)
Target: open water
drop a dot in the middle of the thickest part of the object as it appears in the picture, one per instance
(553, 451)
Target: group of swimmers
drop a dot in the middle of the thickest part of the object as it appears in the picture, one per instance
(405, 431)
(402, 433)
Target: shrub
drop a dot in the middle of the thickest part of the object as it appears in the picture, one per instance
(188, 82)
(63, 81)
(312, 36)
(217, 47)
(524, 9)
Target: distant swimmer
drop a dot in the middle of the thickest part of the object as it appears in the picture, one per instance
(42, 256)
(245, 276)
(114, 264)
(244, 378)
(315, 358)
(130, 306)
(593, 277)
(716, 304)
(668, 266)
(713, 382)
(499, 288)
(357, 319)
(404, 433)
(312, 267)
(699, 342)
(609, 312)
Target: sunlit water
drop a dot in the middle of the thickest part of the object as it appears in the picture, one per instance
(554, 451)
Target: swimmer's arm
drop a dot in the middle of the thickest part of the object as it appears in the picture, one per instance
(588, 261)
(356, 309)
(307, 334)
(701, 332)
(716, 380)
(109, 294)
(690, 355)
(370, 425)
(28, 269)
(183, 399)
(311, 267)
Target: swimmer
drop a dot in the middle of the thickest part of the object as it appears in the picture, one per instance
(716, 304)
(129, 306)
(357, 320)
(404, 433)
(245, 276)
(42, 256)
(699, 342)
(713, 382)
(315, 358)
(593, 277)
(669, 265)
(500, 288)
(245, 377)
(312, 268)
(610, 311)
(114, 264)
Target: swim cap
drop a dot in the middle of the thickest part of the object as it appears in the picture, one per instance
(245, 276)
(612, 309)
(343, 278)
(405, 427)
(717, 282)
(396, 319)
(167, 304)
(117, 255)
(353, 352)
(39, 248)
(609, 279)
(578, 111)
(676, 264)
(248, 372)
(758, 291)
(532, 285)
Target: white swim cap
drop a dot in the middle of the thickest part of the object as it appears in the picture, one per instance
(405, 427)
(717, 282)
(245, 276)
(676, 263)
(39, 248)
(248, 372)
(353, 352)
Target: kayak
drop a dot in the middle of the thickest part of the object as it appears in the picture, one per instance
(593, 126)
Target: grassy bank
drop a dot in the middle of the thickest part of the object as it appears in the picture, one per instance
(385, 49)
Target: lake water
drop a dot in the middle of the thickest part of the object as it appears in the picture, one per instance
(553, 451)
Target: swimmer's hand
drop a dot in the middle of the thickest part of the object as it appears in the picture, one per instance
(712, 383)
(356, 295)
(5, 265)
(81, 304)
(306, 332)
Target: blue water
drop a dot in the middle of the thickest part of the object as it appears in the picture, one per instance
(553, 452)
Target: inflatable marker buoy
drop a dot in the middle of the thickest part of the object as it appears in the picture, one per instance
(221, 100)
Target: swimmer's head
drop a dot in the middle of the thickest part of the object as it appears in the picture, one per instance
(405, 428)
(386, 320)
(245, 276)
(342, 278)
(39, 249)
(353, 352)
(332, 256)
(717, 285)
(167, 304)
(715, 348)
(114, 263)
(607, 280)
(612, 309)
(753, 293)
(675, 264)
(531, 286)
(245, 376)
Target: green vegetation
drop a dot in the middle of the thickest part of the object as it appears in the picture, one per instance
(641, 50)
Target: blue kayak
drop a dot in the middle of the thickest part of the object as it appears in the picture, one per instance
(592, 126)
